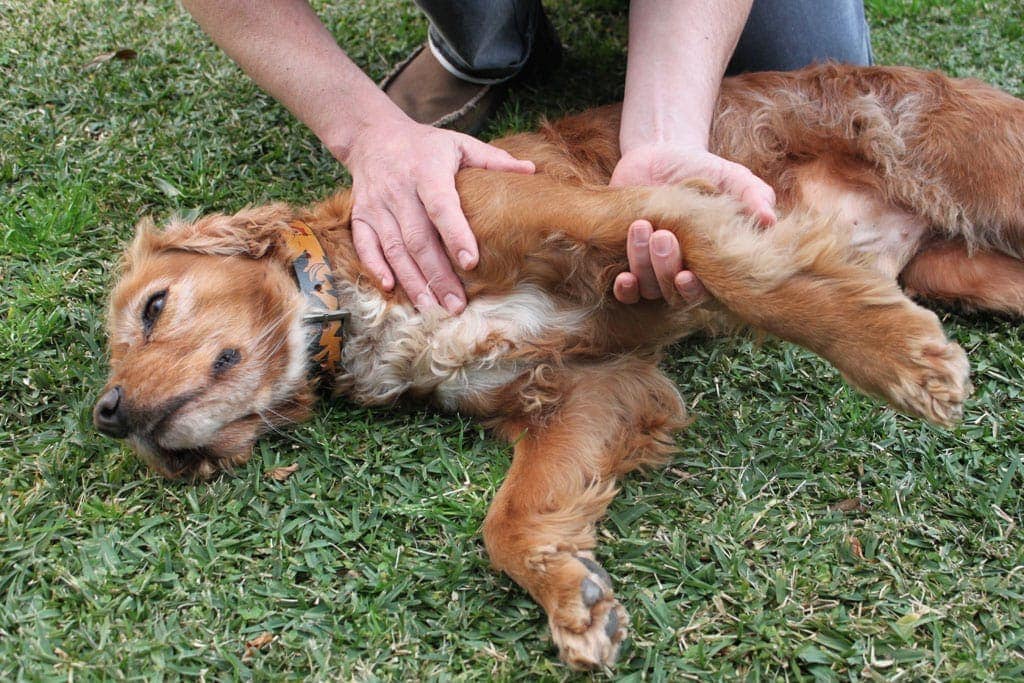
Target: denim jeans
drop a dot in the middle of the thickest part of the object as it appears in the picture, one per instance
(489, 41)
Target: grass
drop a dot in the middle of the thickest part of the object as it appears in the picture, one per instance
(367, 563)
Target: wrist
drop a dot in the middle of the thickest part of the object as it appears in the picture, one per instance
(343, 136)
(662, 124)
(681, 148)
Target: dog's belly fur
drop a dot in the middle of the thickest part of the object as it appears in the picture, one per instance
(885, 235)
(460, 362)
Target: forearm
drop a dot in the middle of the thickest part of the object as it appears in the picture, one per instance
(288, 52)
(678, 53)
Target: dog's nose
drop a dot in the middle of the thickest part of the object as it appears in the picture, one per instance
(110, 415)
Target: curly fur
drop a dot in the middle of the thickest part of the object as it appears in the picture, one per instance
(879, 172)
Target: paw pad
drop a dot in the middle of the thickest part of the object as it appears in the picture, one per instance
(592, 642)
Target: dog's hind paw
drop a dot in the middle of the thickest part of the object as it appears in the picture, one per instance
(902, 355)
(935, 383)
(592, 636)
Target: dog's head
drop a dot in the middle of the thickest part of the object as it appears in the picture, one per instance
(205, 349)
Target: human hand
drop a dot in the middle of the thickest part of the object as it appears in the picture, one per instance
(655, 260)
(407, 221)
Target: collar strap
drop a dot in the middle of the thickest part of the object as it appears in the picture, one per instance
(313, 273)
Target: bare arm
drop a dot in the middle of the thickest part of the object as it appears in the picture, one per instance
(406, 212)
(678, 53)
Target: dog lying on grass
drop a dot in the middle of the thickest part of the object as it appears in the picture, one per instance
(884, 176)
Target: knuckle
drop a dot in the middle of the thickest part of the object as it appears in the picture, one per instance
(360, 213)
(437, 209)
(394, 250)
(418, 242)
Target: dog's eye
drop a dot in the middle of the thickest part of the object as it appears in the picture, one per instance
(226, 359)
(154, 307)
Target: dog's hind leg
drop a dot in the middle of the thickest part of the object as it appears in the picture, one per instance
(801, 280)
(579, 429)
(966, 157)
(947, 150)
(947, 273)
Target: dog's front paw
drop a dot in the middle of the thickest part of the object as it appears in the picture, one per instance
(589, 629)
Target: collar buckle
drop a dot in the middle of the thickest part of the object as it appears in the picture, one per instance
(320, 317)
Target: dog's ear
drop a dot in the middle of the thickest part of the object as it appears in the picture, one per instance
(253, 232)
(143, 244)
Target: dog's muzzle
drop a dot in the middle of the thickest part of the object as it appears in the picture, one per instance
(110, 414)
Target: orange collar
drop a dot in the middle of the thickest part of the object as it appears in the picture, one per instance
(313, 273)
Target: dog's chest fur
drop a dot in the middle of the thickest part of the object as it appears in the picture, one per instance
(457, 361)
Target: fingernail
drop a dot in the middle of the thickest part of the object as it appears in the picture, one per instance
(688, 287)
(425, 302)
(661, 245)
(452, 303)
(466, 260)
(642, 235)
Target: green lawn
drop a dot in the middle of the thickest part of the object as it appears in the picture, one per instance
(367, 563)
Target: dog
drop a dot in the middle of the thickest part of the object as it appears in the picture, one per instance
(890, 182)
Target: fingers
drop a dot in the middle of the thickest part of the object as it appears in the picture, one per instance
(370, 253)
(386, 253)
(419, 258)
(690, 288)
(655, 269)
(436, 191)
(655, 260)
(406, 231)
(759, 201)
(477, 154)
(639, 253)
(626, 289)
(444, 210)
(757, 197)
(674, 282)
(408, 227)
(667, 261)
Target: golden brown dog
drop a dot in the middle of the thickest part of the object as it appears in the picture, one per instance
(881, 173)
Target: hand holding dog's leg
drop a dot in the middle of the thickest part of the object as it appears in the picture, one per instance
(798, 281)
(666, 118)
(656, 269)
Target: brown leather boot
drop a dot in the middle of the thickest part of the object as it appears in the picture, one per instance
(428, 93)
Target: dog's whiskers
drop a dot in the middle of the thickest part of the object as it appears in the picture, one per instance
(274, 425)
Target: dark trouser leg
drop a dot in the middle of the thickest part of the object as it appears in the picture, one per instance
(487, 40)
(490, 40)
(782, 35)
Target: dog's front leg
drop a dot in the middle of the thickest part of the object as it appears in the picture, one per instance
(580, 428)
